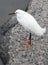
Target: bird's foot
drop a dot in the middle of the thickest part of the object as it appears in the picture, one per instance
(27, 40)
(27, 45)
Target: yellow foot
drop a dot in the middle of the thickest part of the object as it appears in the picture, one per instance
(27, 45)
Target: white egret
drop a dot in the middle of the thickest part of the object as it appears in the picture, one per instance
(29, 23)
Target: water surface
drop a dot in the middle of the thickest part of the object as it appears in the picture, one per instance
(7, 6)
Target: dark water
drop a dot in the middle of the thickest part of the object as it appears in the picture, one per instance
(7, 6)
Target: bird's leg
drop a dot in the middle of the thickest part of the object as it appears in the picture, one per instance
(28, 41)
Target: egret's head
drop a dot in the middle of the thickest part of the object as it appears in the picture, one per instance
(17, 11)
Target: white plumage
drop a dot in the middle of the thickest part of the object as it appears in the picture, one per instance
(29, 22)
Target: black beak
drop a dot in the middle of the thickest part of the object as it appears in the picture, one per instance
(11, 14)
